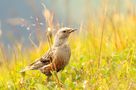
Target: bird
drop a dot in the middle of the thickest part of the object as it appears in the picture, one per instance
(57, 57)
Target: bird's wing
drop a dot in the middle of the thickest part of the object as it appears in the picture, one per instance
(40, 62)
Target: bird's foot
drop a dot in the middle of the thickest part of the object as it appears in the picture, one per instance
(21, 82)
(22, 79)
(47, 80)
(59, 83)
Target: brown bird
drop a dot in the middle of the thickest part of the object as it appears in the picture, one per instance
(57, 57)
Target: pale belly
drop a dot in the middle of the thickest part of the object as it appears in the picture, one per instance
(62, 57)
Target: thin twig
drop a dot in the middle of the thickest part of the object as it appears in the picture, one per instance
(102, 33)
(32, 41)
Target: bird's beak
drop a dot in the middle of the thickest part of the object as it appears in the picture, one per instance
(72, 30)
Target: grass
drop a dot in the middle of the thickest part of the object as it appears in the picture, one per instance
(103, 58)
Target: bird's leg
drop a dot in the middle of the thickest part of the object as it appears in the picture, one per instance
(22, 80)
(54, 73)
(57, 79)
(48, 78)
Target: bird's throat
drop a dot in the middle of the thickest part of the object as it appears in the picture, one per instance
(59, 42)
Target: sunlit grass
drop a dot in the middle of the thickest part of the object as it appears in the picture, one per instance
(97, 63)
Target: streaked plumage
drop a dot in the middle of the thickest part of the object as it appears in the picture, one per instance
(57, 57)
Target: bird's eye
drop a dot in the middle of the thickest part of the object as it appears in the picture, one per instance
(64, 31)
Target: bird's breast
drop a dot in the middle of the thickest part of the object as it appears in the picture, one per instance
(63, 54)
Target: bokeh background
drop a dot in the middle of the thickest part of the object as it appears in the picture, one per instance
(103, 49)
(19, 18)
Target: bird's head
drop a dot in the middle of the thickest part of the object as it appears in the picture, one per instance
(63, 34)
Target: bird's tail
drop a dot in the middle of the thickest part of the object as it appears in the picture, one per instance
(25, 69)
(34, 66)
